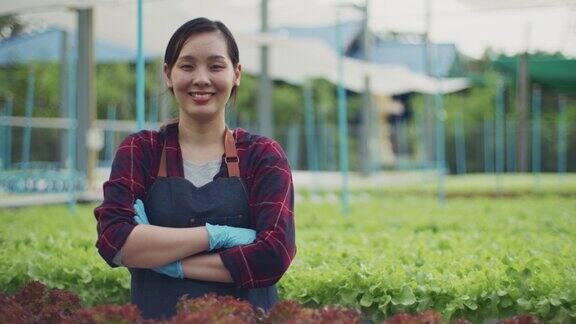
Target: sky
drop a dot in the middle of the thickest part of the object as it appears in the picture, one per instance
(546, 28)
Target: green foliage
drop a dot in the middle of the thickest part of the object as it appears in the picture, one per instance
(57, 248)
(475, 258)
(479, 258)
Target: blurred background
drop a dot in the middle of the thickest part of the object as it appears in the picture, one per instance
(360, 94)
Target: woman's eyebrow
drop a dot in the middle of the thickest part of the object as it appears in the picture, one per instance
(211, 57)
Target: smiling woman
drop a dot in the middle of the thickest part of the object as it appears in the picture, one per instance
(195, 207)
(203, 77)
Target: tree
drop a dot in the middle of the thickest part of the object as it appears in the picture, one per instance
(10, 26)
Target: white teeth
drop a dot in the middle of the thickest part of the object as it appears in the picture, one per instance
(201, 96)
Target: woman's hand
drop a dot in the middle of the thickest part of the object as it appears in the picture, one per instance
(222, 236)
(173, 269)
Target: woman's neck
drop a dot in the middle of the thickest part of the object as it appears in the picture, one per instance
(200, 134)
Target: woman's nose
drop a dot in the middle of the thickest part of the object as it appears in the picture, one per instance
(201, 77)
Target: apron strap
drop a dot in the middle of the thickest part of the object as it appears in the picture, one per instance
(231, 156)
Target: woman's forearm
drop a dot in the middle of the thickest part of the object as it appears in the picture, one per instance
(207, 267)
(150, 246)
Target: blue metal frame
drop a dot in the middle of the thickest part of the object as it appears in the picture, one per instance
(536, 141)
(28, 115)
(342, 120)
(500, 90)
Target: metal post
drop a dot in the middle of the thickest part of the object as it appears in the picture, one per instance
(342, 119)
(140, 81)
(440, 152)
(366, 112)
(293, 144)
(63, 145)
(440, 118)
(562, 136)
(265, 113)
(511, 146)
(460, 143)
(8, 106)
(312, 152)
(154, 111)
(488, 146)
(86, 94)
(429, 115)
(28, 114)
(72, 125)
(403, 149)
(522, 110)
(536, 107)
(109, 152)
(500, 90)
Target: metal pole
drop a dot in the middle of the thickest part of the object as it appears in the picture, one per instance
(500, 89)
(429, 115)
(311, 135)
(511, 146)
(536, 162)
(342, 119)
(3, 143)
(440, 118)
(488, 146)
(366, 113)
(403, 149)
(460, 143)
(265, 113)
(8, 106)
(62, 145)
(522, 110)
(72, 125)
(28, 129)
(140, 81)
(108, 154)
(154, 111)
(562, 136)
(86, 95)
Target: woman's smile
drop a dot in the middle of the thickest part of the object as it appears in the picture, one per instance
(201, 97)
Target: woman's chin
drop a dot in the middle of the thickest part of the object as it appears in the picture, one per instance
(201, 113)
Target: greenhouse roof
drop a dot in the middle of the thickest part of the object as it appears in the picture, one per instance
(553, 72)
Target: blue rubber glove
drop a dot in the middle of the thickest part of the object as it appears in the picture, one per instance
(222, 236)
(173, 269)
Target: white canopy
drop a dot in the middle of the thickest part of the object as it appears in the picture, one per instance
(297, 59)
(292, 60)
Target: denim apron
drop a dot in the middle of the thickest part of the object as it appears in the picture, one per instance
(176, 202)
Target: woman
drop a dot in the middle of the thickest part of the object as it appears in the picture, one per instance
(214, 207)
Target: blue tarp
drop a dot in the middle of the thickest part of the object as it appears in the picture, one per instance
(46, 46)
(410, 55)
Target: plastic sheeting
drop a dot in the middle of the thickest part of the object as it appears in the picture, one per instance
(295, 60)
(292, 59)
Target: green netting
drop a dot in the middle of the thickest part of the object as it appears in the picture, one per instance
(554, 72)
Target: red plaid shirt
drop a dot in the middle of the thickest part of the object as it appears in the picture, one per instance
(263, 167)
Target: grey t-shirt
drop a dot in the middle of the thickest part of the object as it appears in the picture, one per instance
(199, 175)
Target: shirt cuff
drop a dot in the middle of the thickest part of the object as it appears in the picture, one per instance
(118, 258)
(233, 261)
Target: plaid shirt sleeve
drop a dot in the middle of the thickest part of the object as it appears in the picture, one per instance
(127, 182)
(271, 199)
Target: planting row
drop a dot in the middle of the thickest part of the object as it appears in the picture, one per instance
(475, 258)
(34, 303)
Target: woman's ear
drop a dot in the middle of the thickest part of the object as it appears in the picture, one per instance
(237, 74)
(167, 78)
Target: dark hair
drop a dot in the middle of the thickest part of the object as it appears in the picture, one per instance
(198, 26)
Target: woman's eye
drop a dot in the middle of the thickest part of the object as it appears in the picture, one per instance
(186, 66)
(217, 67)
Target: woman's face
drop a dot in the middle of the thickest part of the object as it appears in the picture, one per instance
(203, 76)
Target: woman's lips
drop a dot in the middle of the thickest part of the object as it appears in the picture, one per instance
(201, 98)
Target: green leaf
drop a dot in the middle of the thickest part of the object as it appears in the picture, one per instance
(366, 300)
(405, 298)
(524, 303)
